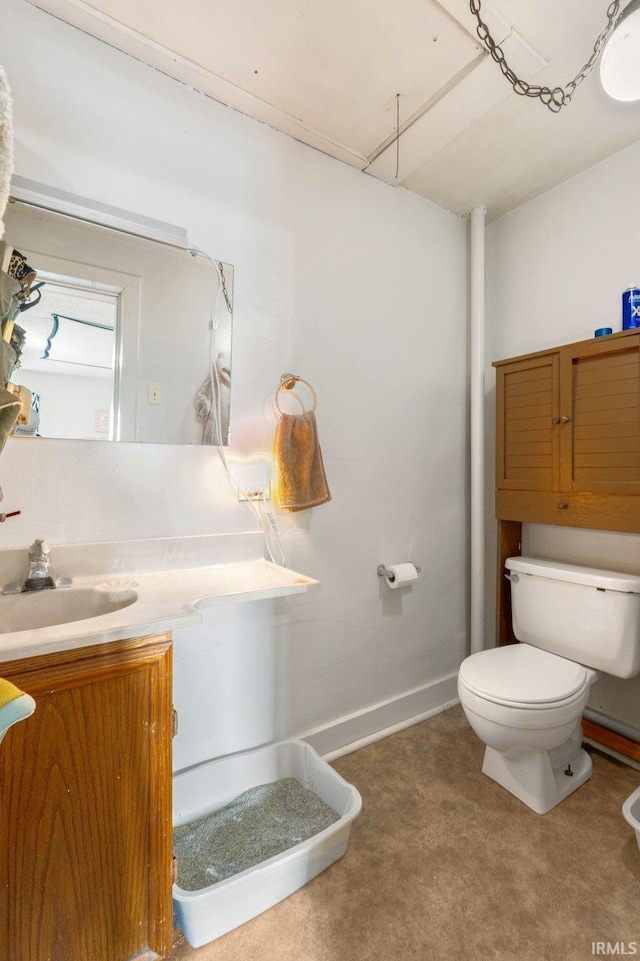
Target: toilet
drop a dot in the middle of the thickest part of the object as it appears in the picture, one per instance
(525, 701)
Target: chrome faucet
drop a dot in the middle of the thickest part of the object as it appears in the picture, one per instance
(39, 575)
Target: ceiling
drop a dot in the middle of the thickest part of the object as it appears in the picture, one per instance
(329, 74)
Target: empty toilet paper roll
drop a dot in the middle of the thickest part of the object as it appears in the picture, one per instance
(399, 574)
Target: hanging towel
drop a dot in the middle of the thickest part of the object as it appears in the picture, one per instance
(15, 705)
(9, 412)
(203, 404)
(302, 482)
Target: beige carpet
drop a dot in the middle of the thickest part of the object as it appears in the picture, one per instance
(444, 864)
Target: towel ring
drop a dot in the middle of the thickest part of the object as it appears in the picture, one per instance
(287, 382)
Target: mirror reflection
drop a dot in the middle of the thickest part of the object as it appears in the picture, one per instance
(108, 336)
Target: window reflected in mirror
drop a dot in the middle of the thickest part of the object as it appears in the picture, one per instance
(67, 361)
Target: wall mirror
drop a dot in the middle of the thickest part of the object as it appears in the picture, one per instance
(119, 336)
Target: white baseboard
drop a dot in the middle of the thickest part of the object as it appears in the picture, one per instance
(374, 723)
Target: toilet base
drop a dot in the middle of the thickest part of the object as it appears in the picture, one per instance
(538, 777)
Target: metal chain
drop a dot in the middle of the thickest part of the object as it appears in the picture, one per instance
(224, 288)
(557, 97)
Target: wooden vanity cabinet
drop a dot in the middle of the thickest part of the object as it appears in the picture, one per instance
(85, 806)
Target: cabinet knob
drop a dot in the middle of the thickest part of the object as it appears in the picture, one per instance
(562, 506)
(560, 420)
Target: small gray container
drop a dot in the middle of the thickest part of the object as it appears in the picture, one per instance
(631, 813)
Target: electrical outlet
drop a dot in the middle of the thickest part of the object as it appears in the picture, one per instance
(255, 494)
(154, 394)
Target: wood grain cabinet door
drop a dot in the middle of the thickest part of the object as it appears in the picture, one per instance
(85, 807)
(527, 438)
(601, 445)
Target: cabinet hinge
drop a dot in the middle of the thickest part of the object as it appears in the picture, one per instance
(174, 870)
(174, 722)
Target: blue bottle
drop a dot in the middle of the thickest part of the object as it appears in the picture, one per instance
(631, 308)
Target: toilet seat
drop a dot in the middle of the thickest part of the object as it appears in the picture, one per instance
(524, 677)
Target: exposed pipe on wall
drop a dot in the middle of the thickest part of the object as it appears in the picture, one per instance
(477, 321)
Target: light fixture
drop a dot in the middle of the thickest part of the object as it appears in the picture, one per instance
(620, 63)
(618, 43)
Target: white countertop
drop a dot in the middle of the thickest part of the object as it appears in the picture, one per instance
(167, 598)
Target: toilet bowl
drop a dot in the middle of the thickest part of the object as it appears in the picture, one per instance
(525, 701)
(526, 705)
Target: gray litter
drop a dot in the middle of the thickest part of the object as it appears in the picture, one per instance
(259, 824)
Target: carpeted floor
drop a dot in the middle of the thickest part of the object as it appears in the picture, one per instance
(444, 864)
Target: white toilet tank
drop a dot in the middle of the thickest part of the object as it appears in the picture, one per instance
(581, 613)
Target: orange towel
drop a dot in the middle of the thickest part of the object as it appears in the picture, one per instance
(302, 482)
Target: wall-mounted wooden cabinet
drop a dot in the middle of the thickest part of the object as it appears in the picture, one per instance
(85, 807)
(567, 444)
(568, 432)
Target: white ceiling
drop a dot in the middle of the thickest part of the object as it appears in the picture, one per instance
(327, 73)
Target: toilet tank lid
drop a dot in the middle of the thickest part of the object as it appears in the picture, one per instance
(573, 574)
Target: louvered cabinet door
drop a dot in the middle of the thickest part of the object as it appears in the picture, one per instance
(527, 438)
(600, 389)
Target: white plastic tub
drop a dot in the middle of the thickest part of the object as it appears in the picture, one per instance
(211, 912)
(631, 813)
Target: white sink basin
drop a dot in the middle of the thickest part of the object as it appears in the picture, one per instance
(49, 608)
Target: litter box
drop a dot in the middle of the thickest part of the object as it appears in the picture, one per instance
(631, 812)
(210, 912)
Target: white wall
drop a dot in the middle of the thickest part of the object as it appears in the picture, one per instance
(356, 286)
(68, 403)
(557, 267)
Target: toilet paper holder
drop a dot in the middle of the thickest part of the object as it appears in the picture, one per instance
(383, 571)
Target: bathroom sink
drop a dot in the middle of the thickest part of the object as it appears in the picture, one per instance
(49, 608)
